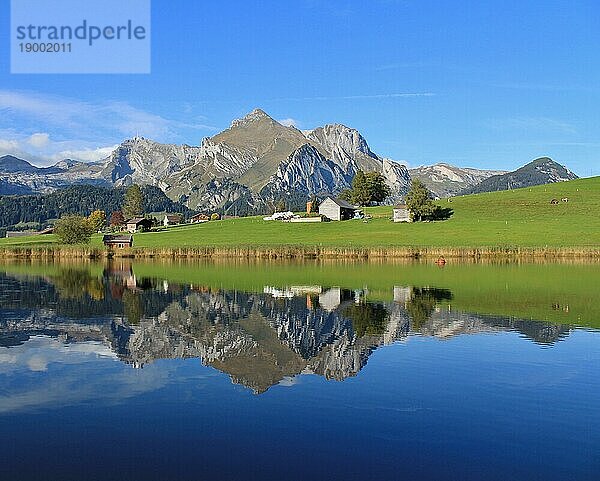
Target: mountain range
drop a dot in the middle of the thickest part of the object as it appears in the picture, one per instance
(254, 163)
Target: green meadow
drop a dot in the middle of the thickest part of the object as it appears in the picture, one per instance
(517, 218)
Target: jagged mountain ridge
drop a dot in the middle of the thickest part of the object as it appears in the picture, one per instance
(274, 161)
(255, 161)
(19, 177)
(538, 172)
(445, 180)
(246, 168)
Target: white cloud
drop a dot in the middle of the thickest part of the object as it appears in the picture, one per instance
(8, 146)
(49, 374)
(91, 121)
(289, 381)
(39, 140)
(48, 151)
(18, 148)
(85, 155)
(289, 122)
(37, 363)
(93, 128)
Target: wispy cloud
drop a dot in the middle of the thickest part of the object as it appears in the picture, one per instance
(543, 124)
(8, 146)
(82, 116)
(91, 127)
(541, 87)
(398, 95)
(84, 155)
(42, 149)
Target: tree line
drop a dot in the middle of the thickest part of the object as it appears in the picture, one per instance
(78, 229)
(79, 200)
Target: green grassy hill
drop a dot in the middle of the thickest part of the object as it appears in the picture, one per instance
(523, 218)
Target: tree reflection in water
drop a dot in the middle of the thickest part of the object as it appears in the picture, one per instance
(257, 338)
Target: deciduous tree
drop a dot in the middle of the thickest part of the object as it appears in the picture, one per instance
(376, 187)
(360, 189)
(368, 188)
(418, 201)
(73, 229)
(97, 220)
(117, 219)
(421, 206)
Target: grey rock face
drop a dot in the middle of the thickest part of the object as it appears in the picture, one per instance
(445, 180)
(144, 161)
(345, 146)
(306, 172)
(20, 177)
(257, 161)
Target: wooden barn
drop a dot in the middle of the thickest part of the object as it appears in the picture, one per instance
(118, 241)
(402, 214)
(49, 230)
(336, 209)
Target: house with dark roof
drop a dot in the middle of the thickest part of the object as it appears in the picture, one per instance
(118, 241)
(337, 209)
(172, 219)
(138, 224)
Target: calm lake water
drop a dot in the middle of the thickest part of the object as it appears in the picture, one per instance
(348, 370)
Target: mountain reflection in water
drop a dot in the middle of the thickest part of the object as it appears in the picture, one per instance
(258, 338)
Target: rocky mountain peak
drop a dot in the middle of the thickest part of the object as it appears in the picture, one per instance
(445, 180)
(67, 164)
(555, 171)
(543, 160)
(10, 163)
(258, 161)
(257, 115)
(341, 139)
(549, 166)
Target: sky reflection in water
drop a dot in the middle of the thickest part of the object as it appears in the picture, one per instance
(106, 375)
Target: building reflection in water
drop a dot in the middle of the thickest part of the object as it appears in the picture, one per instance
(258, 338)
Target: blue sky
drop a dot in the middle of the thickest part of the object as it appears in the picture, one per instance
(481, 84)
